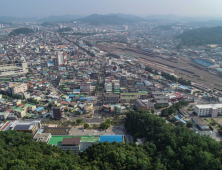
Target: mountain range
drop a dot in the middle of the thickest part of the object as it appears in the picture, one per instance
(117, 19)
(62, 18)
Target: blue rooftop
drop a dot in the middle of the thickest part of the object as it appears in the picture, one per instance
(203, 62)
(68, 100)
(177, 117)
(39, 109)
(183, 87)
(111, 138)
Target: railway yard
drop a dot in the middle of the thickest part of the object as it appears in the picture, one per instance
(200, 78)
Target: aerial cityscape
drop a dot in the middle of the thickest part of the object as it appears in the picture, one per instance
(108, 89)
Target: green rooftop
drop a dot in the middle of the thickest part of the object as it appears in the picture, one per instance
(57, 140)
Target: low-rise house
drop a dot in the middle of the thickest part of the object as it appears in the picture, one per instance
(200, 123)
(143, 104)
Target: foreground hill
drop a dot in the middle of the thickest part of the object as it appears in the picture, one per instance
(20, 152)
(166, 147)
(202, 36)
(111, 19)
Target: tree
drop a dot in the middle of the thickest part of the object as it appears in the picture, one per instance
(79, 121)
(86, 125)
(108, 121)
(190, 124)
(153, 111)
(5, 120)
(104, 125)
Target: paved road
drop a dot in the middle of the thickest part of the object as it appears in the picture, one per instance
(98, 104)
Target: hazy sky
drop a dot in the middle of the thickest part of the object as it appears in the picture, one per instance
(30, 8)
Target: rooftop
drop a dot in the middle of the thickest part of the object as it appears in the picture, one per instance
(111, 138)
(43, 137)
(206, 106)
(57, 140)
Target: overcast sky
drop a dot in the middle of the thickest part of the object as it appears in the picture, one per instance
(30, 8)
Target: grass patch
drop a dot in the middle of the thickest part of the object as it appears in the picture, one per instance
(117, 122)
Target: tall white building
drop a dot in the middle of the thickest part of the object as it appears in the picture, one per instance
(208, 109)
(60, 58)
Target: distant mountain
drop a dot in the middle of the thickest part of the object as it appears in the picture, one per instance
(59, 18)
(164, 27)
(176, 18)
(15, 19)
(48, 24)
(111, 19)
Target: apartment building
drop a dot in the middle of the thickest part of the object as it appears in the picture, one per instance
(108, 87)
(208, 109)
(85, 87)
(15, 88)
(111, 98)
(57, 113)
(130, 97)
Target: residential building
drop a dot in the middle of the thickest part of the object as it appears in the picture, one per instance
(15, 88)
(208, 109)
(108, 87)
(143, 104)
(157, 93)
(161, 98)
(20, 111)
(118, 109)
(130, 97)
(57, 113)
(4, 115)
(111, 98)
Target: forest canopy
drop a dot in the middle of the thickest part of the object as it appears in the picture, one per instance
(174, 147)
(21, 31)
(202, 36)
